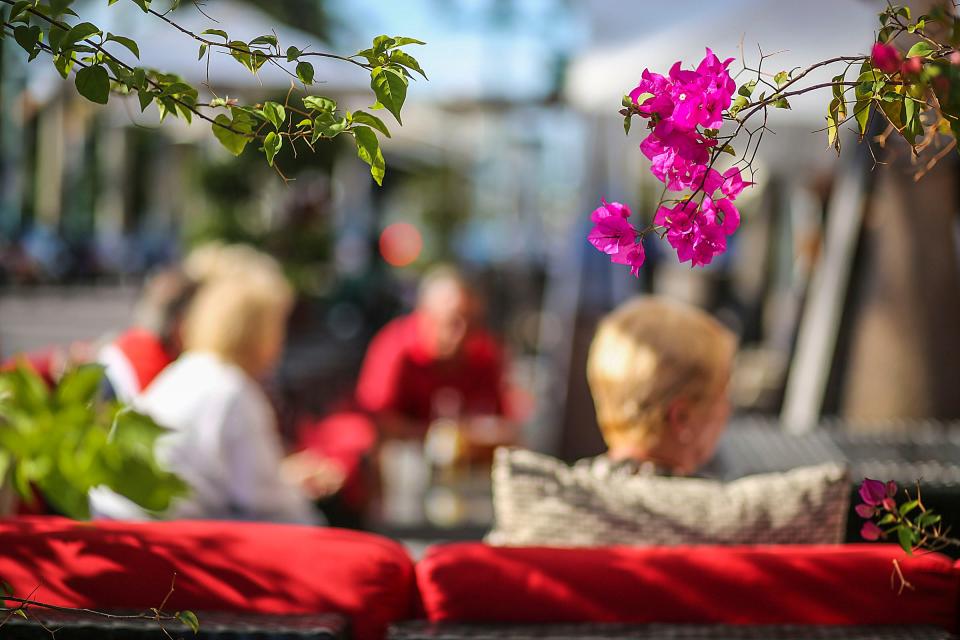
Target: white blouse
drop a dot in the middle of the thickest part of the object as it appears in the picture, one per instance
(223, 444)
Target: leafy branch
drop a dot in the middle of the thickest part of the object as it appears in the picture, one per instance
(81, 48)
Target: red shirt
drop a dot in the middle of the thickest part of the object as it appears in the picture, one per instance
(401, 374)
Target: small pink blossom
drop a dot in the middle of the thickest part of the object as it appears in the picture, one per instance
(873, 492)
(870, 531)
(954, 58)
(661, 103)
(865, 510)
(733, 183)
(885, 57)
(889, 504)
(912, 66)
(613, 234)
(731, 216)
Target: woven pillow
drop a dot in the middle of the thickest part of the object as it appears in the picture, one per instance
(541, 501)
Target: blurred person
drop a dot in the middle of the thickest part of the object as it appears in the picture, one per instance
(224, 441)
(436, 362)
(140, 353)
(658, 371)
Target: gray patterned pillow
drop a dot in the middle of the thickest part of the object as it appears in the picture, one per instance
(539, 500)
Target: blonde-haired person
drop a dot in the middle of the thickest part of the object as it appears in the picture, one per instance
(215, 260)
(658, 371)
(223, 441)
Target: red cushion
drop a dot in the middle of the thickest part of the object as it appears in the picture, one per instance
(220, 566)
(836, 585)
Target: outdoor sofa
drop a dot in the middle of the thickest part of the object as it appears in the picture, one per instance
(248, 580)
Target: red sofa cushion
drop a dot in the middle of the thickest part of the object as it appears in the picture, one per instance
(220, 566)
(835, 585)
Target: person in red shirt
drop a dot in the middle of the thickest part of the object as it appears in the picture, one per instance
(436, 362)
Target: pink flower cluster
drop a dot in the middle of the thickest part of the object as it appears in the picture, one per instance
(877, 497)
(678, 106)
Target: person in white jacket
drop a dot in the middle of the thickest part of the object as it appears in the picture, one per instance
(223, 441)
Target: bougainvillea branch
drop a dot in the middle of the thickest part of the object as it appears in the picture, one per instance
(695, 117)
(910, 522)
(81, 48)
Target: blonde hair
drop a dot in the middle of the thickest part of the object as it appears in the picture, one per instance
(233, 316)
(216, 260)
(648, 352)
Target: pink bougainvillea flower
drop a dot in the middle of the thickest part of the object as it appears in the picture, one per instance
(678, 156)
(885, 57)
(872, 492)
(891, 488)
(634, 257)
(870, 531)
(912, 66)
(733, 183)
(661, 103)
(612, 233)
(731, 216)
(865, 510)
(694, 232)
(889, 504)
(615, 236)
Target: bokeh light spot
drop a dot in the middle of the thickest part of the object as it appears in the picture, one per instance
(400, 244)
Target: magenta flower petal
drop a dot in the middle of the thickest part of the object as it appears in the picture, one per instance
(872, 492)
(870, 531)
(885, 57)
(865, 510)
(891, 488)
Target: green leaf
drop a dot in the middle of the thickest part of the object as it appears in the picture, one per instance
(145, 97)
(77, 33)
(861, 111)
(362, 117)
(728, 149)
(293, 53)
(126, 42)
(143, 4)
(275, 114)
(922, 49)
(18, 9)
(781, 78)
(390, 88)
(80, 385)
(305, 72)
(93, 83)
(781, 103)
(408, 61)
(271, 145)
(746, 90)
(189, 618)
(319, 103)
(234, 140)
(266, 39)
(887, 519)
(905, 538)
(27, 38)
(381, 44)
(327, 126)
(401, 41)
(368, 150)
(626, 123)
(928, 519)
(907, 507)
(203, 52)
(215, 32)
(738, 103)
